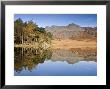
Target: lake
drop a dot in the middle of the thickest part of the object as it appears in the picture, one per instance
(54, 62)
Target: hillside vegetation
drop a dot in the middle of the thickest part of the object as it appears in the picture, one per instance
(29, 34)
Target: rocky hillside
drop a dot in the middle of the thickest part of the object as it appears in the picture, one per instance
(71, 31)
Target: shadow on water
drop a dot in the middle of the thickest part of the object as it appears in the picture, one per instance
(29, 58)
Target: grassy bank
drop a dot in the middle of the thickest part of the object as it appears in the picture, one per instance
(68, 44)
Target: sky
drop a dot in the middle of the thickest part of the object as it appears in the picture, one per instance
(43, 20)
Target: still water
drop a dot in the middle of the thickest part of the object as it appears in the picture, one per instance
(57, 62)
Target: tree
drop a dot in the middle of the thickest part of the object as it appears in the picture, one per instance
(18, 29)
(28, 32)
(41, 29)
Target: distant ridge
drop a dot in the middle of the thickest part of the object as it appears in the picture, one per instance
(72, 31)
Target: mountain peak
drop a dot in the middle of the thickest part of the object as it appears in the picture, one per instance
(71, 31)
(73, 24)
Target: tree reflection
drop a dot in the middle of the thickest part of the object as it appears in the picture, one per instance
(28, 58)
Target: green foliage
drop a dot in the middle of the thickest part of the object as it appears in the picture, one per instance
(49, 35)
(41, 30)
(28, 32)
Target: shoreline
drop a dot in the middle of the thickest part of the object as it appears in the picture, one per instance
(65, 44)
(69, 44)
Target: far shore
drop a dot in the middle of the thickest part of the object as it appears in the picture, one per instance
(69, 44)
(66, 44)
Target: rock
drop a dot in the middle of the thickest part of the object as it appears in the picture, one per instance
(71, 31)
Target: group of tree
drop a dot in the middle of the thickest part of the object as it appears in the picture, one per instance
(28, 32)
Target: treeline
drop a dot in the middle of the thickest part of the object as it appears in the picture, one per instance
(28, 32)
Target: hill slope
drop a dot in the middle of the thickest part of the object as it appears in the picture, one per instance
(72, 31)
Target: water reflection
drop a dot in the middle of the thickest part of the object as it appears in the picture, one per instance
(29, 60)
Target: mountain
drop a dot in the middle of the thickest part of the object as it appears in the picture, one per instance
(72, 31)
